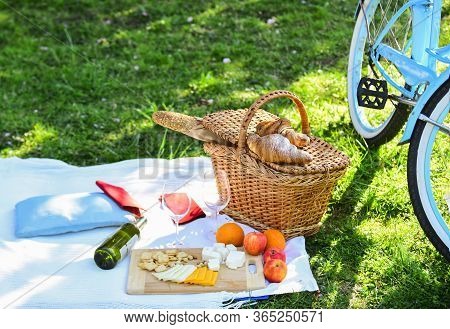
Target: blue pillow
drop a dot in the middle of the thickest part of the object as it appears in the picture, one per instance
(56, 214)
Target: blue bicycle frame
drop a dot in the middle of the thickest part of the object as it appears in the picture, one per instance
(419, 70)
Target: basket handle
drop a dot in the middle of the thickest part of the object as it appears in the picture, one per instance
(260, 102)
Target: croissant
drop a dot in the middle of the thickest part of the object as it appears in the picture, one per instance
(276, 148)
(283, 127)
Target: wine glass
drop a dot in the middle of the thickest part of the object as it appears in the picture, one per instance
(216, 192)
(180, 204)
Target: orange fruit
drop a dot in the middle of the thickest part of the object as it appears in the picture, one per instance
(275, 239)
(230, 233)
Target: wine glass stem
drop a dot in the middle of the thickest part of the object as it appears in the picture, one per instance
(176, 230)
(214, 217)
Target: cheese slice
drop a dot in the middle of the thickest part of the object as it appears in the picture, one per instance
(201, 275)
(214, 279)
(192, 277)
(185, 272)
(208, 278)
(166, 275)
(211, 279)
(173, 275)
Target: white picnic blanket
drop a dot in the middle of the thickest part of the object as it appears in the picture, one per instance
(59, 271)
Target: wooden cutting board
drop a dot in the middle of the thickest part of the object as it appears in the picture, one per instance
(242, 279)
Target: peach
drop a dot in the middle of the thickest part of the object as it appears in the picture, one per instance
(275, 270)
(255, 243)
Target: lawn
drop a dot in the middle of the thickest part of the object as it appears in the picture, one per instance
(79, 81)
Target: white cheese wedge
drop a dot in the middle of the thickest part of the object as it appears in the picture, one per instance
(214, 264)
(209, 253)
(235, 259)
(231, 247)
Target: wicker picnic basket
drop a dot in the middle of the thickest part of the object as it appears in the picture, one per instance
(289, 198)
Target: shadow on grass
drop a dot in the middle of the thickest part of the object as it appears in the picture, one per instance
(338, 249)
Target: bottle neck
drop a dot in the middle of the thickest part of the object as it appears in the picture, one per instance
(140, 222)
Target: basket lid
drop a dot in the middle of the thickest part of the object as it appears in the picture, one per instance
(227, 123)
(326, 159)
(235, 125)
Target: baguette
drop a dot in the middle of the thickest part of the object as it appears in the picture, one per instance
(185, 124)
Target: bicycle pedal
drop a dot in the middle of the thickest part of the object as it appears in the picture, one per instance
(372, 93)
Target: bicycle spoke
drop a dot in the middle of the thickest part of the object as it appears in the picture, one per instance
(369, 36)
(383, 17)
(391, 32)
(406, 39)
(445, 129)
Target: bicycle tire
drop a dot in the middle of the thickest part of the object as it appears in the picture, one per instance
(412, 172)
(394, 123)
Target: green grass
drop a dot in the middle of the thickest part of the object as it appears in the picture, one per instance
(79, 81)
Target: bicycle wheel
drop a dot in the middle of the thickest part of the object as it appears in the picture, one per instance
(429, 171)
(378, 126)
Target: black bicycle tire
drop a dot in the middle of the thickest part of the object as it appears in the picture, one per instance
(392, 128)
(412, 173)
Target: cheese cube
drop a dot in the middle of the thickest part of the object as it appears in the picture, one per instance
(231, 265)
(209, 253)
(214, 264)
(239, 255)
(231, 247)
(223, 253)
(218, 245)
(207, 250)
(235, 259)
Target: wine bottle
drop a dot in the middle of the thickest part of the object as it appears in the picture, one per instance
(117, 246)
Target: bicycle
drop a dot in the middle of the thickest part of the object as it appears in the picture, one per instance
(397, 73)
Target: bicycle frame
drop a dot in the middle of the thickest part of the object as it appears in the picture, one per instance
(421, 67)
(417, 109)
(419, 70)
